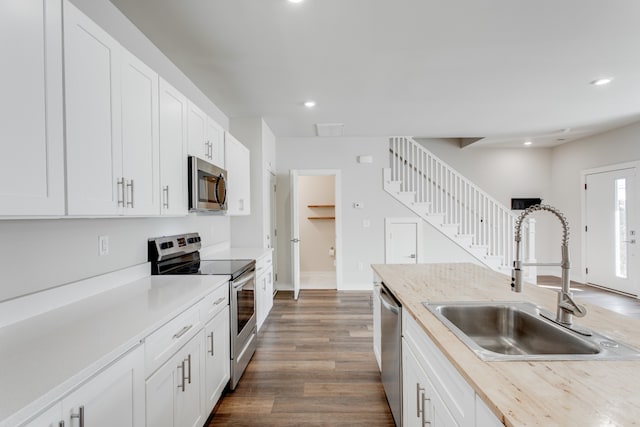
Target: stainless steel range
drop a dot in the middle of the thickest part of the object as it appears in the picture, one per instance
(180, 254)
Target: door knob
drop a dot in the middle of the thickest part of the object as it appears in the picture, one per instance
(295, 240)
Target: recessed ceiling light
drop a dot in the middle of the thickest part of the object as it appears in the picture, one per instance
(601, 82)
(310, 104)
(527, 143)
(295, 1)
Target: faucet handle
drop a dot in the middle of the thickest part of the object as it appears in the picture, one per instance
(569, 305)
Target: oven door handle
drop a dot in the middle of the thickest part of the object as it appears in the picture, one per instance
(240, 283)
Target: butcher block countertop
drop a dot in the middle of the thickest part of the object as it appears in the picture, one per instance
(525, 393)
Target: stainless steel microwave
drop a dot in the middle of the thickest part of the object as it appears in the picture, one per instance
(207, 186)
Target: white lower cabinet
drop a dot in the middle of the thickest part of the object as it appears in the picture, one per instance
(174, 390)
(216, 359)
(375, 302)
(421, 403)
(113, 397)
(434, 393)
(264, 288)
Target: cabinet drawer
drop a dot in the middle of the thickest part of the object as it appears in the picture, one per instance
(164, 342)
(213, 303)
(455, 392)
(263, 264)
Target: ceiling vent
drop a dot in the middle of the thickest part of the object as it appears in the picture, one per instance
(330, 129)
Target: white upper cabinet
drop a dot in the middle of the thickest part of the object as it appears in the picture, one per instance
(197, 122)
(206, 137)
(112, 124)
(94, 140)
(140, 141)
(173, 150)
(238, 163)
(31, 117)
(215, 140)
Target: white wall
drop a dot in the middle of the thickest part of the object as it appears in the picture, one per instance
(39, 254)
(569, 160)
(317, 236)
(360, 183)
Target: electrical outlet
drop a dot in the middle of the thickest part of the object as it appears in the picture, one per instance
(360, 265)
(366, 223)
(103, 245)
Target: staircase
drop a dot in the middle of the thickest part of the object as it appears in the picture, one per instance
(455, 206)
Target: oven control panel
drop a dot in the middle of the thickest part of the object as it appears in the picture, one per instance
(161, 248)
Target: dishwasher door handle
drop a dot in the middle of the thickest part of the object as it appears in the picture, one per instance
(388, 303)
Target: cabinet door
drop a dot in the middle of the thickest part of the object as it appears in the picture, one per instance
(140, 142)
(92, 100)
(216, 359)
(215, 141)
(238, 165)
(261, 309)
(421, 403)
(173, 150)
(377, 325)
(31, 156)
(197, 122)
(52, 417)
(114, 397)
(174, 390)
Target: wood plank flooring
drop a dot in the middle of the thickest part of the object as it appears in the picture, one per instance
(314, 367)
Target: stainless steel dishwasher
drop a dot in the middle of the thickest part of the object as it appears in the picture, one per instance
(391, 349)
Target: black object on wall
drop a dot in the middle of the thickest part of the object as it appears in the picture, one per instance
(521, 204)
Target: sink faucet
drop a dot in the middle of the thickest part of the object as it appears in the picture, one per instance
(567, 307)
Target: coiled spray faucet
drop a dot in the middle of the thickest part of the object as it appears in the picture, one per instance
(567, 307)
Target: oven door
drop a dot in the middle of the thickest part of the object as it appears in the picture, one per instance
(243, 323)
(207, 186)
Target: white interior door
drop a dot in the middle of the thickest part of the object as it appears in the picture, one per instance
(403, 240)
(611, 229)
(295, 234)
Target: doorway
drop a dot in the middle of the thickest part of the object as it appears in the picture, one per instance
(611, 225)
(315, 229)
(403, 240)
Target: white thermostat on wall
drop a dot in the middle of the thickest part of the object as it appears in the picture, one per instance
(358, 205)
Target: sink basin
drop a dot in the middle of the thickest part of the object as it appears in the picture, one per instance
(517, 331)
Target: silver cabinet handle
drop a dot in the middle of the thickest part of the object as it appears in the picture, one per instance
(419, 402)
(165, 196)
(61, 424)
(218, 301)
(120, 190)
(181, 386)
(189, 368)
(130, 186)
(211, 352)
(79, 416)
(182, 331)
(424, 410)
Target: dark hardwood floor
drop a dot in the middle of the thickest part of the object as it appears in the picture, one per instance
(314, 367)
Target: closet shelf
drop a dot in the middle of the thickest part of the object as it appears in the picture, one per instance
(321, 217)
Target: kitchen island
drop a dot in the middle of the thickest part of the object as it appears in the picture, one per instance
(524, 393)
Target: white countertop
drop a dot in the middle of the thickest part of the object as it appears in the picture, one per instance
(46, 355)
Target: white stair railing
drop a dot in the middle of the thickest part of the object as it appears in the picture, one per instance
(441, 190)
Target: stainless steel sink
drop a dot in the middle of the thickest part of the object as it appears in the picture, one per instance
(517, 331)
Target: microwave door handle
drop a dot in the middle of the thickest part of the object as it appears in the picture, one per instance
(221, 181)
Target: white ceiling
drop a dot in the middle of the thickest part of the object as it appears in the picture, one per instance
(507, 70)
